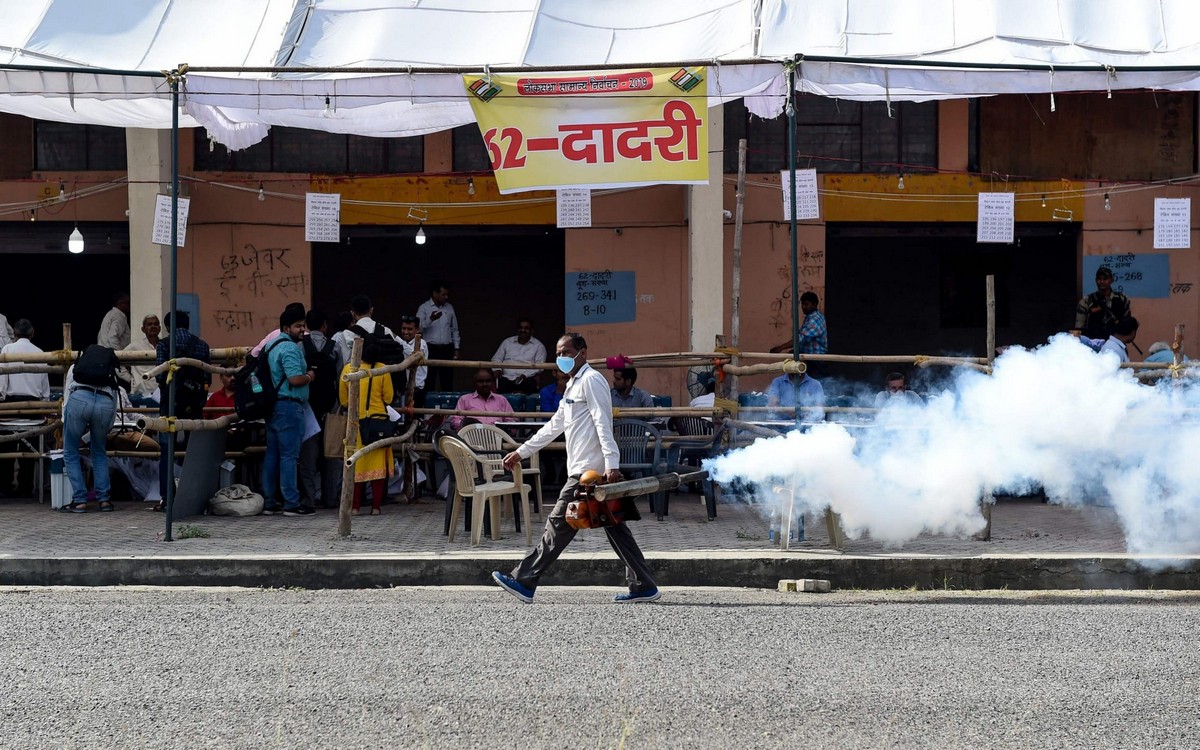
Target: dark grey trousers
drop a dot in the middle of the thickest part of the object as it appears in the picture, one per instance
(558, 535)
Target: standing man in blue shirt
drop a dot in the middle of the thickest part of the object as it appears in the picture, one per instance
(285, 428)
(439, 330)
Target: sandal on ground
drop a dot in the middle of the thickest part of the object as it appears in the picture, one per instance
(74, 508)
(106, 506)
(376, 512)
(354, 511)
(158, 508)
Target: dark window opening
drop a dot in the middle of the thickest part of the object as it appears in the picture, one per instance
(66, 147)
(833, 135)
(302, 150)
(470, 155)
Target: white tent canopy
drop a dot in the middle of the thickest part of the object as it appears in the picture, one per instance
(393, 69)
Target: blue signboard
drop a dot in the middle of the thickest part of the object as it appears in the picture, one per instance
(1145, 275)
(600, 297)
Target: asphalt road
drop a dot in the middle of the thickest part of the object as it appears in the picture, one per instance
(472, 667)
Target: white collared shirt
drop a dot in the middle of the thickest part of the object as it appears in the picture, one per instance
(442, 331)
(585, 414)
(423, 370)
(512, 350)
(139, 386)
(36, 384)
(1117, 347)
(114, 330)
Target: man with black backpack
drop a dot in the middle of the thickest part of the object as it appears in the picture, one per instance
(388, 346)
(191, 387)
(91, 401)
(317, 485)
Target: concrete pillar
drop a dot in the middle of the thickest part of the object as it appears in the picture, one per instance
(706, 244)
(149, 164)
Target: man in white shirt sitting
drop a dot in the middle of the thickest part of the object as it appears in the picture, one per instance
(17, 474)
(24, 386)
(520, 348)
(1123, 335)
(707, 399)
(142, 390)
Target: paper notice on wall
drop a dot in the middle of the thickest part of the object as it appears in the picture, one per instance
(162, 220)
(1172, 223)
(807, 205)
(997, 217)
(574, 207)
(322, 217)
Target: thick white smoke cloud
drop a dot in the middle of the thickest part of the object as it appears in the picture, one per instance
(1060, 417)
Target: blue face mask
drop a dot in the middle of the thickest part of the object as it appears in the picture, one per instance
(566, 364)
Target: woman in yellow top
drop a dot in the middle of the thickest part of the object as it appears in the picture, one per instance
(374, 394)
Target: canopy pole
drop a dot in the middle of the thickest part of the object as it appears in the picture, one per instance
(791, 115)
(173, 381)
(736, 316)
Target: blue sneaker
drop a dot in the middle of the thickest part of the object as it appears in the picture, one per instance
(513, 586)
(652, 595)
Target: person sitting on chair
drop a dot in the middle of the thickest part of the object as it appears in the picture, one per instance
(483, 399)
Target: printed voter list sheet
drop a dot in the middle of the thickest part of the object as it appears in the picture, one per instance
(997, 215)
(162, 220)
(322, 217)
(807, 205)
(1172, 223)
(574, 207)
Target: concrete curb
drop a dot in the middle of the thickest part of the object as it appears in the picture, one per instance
(1020, 573)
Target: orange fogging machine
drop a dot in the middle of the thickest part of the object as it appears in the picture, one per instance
(595, 505)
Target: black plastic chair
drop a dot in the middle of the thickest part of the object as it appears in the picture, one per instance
(640, 445)
(684, 455)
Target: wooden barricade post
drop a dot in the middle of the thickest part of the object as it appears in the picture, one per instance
(351, 440)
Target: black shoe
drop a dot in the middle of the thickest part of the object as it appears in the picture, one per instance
(300, 511)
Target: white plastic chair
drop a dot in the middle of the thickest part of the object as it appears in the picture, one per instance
(490, 439)
(467, 467)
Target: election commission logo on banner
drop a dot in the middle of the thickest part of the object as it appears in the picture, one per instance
(604, 129)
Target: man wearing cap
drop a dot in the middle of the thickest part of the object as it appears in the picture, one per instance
(1097, 315)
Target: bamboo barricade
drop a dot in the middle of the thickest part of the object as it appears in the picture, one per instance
(45, 429)
(752, 428)
(188, 362)
(68, 356)
(413, 360)
(351, 439)
(160, 424)
(381, 444)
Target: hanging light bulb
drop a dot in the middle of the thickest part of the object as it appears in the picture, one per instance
(328, 108)
(1107, 203)
(33, 214)
(62, 192)
(420, 238)
(470, 186)
(75, 242)
(900, 182)
(262, 194)
(1043, 201)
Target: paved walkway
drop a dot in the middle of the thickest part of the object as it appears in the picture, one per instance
(1020, 527)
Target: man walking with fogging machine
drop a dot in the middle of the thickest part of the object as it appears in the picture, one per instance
(585, 414)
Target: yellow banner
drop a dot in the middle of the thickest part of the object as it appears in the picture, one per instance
(614, 128)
